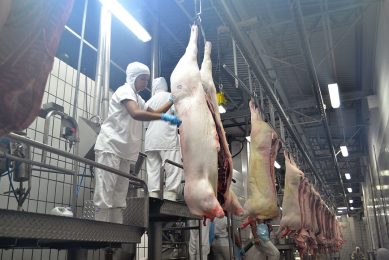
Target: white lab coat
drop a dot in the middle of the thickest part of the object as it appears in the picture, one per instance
(118, 145)
(161, 143)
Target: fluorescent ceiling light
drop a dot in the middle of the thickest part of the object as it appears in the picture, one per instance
(383, 187)
(340, 211)
(344, 150)
(222, 109)
(277, 165)
(348, 176)
(128, 20)
(248, 138)
(340, 208)
(334, 95)
(351, 201)
(351, 208)
(385, 173)
(349, 190)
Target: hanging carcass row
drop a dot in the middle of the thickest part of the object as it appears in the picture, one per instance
(305, 216)
(206, 158)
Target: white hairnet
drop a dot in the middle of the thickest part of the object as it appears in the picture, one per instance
(134, 70)
(159, 85)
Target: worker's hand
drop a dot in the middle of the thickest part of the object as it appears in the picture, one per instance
(172, 119)
(257, 241)
(171, 99)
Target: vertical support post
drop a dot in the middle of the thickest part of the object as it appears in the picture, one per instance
(200, 241)
(155, 240)
(100, 64)
(155, 45)
(107, 65)
(77, 87)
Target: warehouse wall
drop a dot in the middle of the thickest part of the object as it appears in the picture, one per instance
(376, 192)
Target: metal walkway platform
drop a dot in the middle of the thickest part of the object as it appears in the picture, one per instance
(168, 211)
(26, 229)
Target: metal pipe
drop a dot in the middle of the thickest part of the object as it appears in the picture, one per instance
(235, 62)
(135, 180)
(58, 169)
(107, 65)
(316, 86)
(155, 46)
(77, 87)
(223, 8)
(100, 64)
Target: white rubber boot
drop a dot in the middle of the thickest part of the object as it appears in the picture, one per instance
(101, 214)
(170, 195)
(115, 215)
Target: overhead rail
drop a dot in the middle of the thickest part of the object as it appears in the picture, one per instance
(224, 10)
(306, 49)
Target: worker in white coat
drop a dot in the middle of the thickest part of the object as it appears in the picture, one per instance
(194, 252)
(161, 143)
(119, 141)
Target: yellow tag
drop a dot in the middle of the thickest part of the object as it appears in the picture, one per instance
(220, 98)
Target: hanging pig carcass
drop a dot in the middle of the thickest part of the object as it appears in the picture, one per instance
(262, 195)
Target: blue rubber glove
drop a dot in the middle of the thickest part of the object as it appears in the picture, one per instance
(172, 119)
(263, 232)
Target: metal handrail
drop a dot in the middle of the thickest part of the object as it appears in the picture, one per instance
(133, 180)
(162, 175)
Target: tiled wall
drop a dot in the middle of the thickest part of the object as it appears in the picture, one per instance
(52, 189)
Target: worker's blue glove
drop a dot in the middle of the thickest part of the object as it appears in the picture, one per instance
(172, 119)
(263, 232)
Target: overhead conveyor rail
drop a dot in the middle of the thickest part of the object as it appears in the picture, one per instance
(224, 9)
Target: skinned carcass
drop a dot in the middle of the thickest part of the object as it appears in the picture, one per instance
(291, 214)
(225, 195)
(262, 195)
(29, 37)
(198, 135)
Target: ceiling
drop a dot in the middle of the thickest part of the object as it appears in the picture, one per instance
(342, 39)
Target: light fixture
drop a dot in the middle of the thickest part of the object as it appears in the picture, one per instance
(277, 165)
(344, 150)
(352, 208)
(349, 190)
(351, 201)
(248, 138)
(340, 211)
(382, 187)
(341, 208)
(221, 109)
(334, 95)
(127, 19)
(347, 176)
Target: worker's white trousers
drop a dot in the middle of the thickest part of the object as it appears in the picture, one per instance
(266, 249)
(194, 240)
(110, 189)
(221, 248)
(173, 174)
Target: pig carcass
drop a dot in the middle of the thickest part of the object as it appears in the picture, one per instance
(262, 196)
(28, 42)
(291, 214)
(225, 195)
(198, 135)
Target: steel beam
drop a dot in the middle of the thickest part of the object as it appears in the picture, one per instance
(298, 15)
(227, 16)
